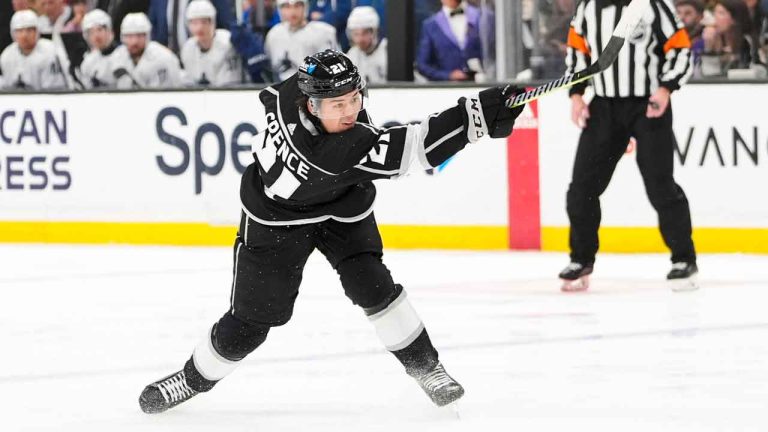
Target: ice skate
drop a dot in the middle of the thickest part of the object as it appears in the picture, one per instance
(575, 277)
(683, 277)
(439, 386)
(166, 393)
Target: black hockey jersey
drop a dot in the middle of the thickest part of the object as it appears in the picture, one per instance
(303, 175)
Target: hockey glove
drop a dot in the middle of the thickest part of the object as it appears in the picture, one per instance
(499, 118)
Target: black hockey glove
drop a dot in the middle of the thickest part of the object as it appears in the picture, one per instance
(498, 117)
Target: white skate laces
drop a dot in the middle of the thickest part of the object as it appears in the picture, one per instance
(175, 388)
(435, 379)
(574, 266)
(679, 265)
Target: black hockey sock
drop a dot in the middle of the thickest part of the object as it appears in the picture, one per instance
(419, 357)
(196, 381)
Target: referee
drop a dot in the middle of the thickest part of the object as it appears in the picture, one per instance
(632, 99)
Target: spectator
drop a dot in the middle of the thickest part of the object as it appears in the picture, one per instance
(294, 38)
(208, 56)
(168, 23)
(140, 62)
(450, 48)
(691, 13)
(55, 15)
(79, 9)
(756, 15)
(30, 63)
(759, 18)
(730, 43)
(558, 18)
(95, 71)
(367, 52)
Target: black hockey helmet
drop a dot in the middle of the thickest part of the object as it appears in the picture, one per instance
(329, 74)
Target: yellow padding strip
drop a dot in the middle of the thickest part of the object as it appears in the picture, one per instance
(184, 234)
(394, 236)
(445, 237)
(612, 239)
(647, 239)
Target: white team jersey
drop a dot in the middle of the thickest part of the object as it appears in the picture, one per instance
(218, 66)
(39, 70)
(286, 49)
(96, 70)
(373, 66)
(158, 67)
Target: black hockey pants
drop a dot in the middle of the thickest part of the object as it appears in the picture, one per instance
(602, 143)
(269, 261)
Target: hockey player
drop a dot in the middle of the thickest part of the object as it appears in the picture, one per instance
(367, 52)
(140, 62)
(30, 62)
(311, 188)
(294, 38)
(208, 56)
(95, 71)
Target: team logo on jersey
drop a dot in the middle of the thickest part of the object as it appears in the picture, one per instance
(291, 128)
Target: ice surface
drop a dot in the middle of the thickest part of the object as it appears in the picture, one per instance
(84, 328)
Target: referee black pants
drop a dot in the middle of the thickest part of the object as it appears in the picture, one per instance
(602, 143)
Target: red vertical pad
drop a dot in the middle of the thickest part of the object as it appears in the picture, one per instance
(523, 181)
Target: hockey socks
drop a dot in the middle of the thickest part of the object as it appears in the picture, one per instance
(402, 332)
(207, 365)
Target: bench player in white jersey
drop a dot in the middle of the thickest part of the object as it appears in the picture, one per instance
(311, 187)
(293, 39)
(30, 63)
(95, 70)
(141, 62)
(208, 57)
(367, 52)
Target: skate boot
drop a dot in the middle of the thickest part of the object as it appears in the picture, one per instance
(439, 386)
(575, 277)
(683, 277)
(166, 393)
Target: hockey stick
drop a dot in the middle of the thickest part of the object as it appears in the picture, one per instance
(630, 18)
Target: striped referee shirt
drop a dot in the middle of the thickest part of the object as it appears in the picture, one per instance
(657, 53)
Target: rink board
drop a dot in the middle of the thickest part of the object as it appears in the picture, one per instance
(164, 168)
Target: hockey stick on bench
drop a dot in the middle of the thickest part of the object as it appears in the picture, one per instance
(630, 18)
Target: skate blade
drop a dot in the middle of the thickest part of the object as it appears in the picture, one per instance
(453, 407)
(579, 285)
(684, 285)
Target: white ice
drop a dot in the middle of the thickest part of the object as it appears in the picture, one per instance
(84, 328)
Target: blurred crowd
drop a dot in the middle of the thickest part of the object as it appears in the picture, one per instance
(129, 44)
(729, 37)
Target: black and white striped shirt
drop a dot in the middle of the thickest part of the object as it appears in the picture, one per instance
(657, 53)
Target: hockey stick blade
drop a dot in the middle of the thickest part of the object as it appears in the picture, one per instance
(630, 18)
